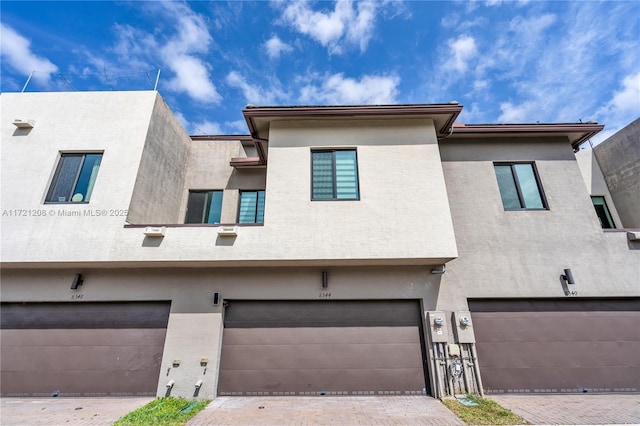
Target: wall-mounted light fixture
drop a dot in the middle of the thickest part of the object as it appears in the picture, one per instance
(568, 276)
(23, 124)
(216, 298)
(439, 270)
(325, 279)
(155, 231)
(77, 281)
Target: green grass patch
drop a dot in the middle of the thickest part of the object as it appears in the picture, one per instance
(487, 412)
(163, 412)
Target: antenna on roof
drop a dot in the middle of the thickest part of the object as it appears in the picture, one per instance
(155, 87)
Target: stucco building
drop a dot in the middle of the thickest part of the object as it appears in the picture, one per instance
(332, 250)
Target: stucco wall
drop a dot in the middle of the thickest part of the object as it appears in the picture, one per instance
(619, 160)
(523, 253)
(158, 191)
(114, 123)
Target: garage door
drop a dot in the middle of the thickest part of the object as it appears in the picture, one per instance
(322, 348)
(82, 349)
(567, 345)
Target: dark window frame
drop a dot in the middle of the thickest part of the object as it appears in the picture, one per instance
(607, 212)
(333, 172)
(255, 215)
(514, 175)
(56, 176)
(206, 207)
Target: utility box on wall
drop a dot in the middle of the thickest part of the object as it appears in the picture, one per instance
(438, 325)
(464, 327)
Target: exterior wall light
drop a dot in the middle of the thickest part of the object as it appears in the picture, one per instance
(439, 270)
(568, 276)
(77, 281)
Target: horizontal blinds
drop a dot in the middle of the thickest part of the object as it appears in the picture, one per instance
(346, 175)
(248, 201)
(251, 207)
(323, 183)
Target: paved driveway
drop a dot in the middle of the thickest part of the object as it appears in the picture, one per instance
(590, 409)
(325, 410)
(360, 410)
(66, 411)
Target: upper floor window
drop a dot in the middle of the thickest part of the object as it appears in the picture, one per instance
(334, 175)
(74, 178)
(604, 216)
(204, 207)
(251, 207)
(519, 186)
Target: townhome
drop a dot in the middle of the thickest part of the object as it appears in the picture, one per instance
(332, 250)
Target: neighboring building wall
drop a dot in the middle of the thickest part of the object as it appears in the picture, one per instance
(158, 191)
(523, 253)
(115, 123)
(596, 185)
(619, 160)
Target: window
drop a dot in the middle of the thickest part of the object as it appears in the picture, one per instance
(603, 212)
(204, 207)
(334, 175)
(519, 186)
(251, 207)
(74, 178)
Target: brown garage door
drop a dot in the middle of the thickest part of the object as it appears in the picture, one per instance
(566, 345)
(82, 349)
(316, 348)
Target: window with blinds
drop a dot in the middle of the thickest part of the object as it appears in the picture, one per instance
(251, 207)
(334, 175)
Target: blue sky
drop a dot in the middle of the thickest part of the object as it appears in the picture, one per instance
(505, 61)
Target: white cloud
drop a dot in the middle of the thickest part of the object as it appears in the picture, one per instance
(191, 73)
(207, 128)
(179, 51)
(522, 113)
(16, 52)
(275, 47)
(331, 29)
(337, 90)
(464, 49)
(626, 100)
(192, 77)
(253, 94)
(621, 109)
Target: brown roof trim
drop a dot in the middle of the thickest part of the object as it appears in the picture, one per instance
(584, 130)
(354, 111)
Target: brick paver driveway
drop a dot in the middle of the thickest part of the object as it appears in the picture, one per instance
(329, 410)
(591, 409)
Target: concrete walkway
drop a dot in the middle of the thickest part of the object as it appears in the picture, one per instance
(590, 409)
